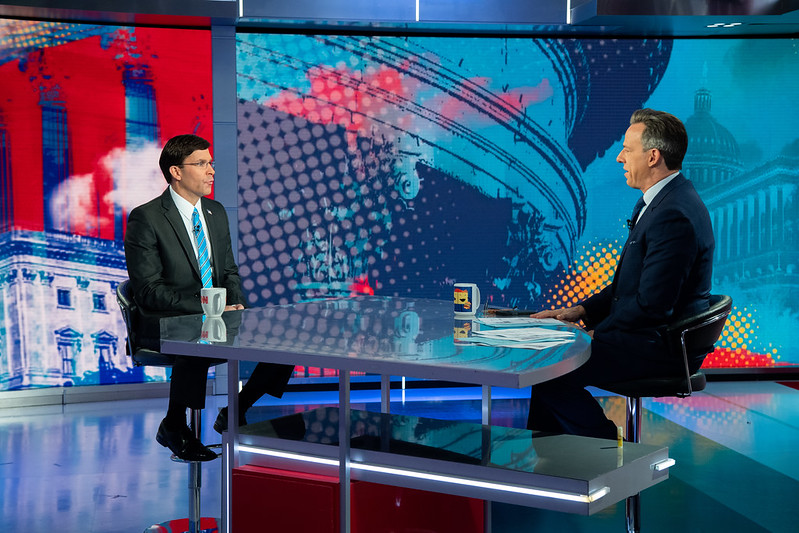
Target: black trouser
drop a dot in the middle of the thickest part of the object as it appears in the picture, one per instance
(189, 375)
(563, 405)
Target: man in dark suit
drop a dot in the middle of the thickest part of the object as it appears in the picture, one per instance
(663, 274)
(161, 251)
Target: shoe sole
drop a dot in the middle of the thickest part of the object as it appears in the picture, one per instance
(163, 443)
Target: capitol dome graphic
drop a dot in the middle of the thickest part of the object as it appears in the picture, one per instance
(713, 156)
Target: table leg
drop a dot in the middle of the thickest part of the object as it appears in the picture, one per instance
(229, 442)
(385, 394)
(195, 475)
(486, 420)
(344, 447)
(486, 405)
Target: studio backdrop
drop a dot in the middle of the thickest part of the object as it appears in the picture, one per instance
(401, 165)
(388, 165)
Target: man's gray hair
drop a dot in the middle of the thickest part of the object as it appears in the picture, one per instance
(665, 132)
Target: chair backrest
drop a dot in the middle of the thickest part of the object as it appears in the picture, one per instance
(692, 338)
(698, 333)
(127, 306)
(689, 338)
(140, 356)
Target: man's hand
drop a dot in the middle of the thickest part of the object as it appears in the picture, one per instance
(569, 314)
(234, 307)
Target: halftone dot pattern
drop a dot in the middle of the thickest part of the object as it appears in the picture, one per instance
(326, 212)
(593, 269)
(739, 337)
(315, 209)
(741, 358)
(740, 331)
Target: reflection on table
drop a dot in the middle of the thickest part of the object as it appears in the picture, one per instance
(560, 472)
(397, 336)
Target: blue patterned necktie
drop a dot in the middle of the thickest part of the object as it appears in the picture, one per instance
(202, 250)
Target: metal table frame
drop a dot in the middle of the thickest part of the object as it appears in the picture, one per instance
(423, 350)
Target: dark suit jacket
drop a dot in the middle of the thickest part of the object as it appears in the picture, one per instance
(164, 274)
(664, 273)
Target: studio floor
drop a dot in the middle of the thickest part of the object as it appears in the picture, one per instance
(95, 467)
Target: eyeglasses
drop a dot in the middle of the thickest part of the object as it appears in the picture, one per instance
(198, 164)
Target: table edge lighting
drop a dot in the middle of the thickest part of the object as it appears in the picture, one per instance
(595, 495)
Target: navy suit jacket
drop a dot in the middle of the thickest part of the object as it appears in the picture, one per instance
(163, 270)
(664, 271)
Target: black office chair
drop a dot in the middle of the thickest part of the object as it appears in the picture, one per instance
(146, 357)
(693, 337)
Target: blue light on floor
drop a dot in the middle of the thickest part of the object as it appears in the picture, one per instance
(96, 467)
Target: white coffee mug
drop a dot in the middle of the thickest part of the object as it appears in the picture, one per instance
(213, 300)
(467, 299)
(214, 330)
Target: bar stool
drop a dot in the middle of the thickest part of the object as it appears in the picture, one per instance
(694, 336)
(195, 523)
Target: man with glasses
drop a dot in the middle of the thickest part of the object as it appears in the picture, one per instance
(168, 242)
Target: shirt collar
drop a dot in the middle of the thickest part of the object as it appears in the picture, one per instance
(653, 191)
(183, 205)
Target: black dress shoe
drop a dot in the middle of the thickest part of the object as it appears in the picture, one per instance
(220, 424)
(183, 444)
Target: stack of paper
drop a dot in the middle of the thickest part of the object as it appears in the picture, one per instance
(536, 338)
(517, 321)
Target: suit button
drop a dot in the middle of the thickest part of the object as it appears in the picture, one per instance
(615, 298)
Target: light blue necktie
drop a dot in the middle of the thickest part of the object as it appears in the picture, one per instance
(202, 250)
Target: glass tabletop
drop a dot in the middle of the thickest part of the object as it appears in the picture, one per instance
(384, 335)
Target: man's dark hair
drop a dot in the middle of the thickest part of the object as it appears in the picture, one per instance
(665, 132)
(177, 149)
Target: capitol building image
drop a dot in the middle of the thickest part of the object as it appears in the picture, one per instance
(753, 210)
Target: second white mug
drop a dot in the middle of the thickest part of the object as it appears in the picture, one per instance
(213, 300)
